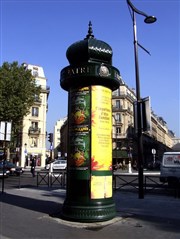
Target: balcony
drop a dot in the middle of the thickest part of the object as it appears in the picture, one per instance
(118, 109)
(45, 89)
(117, 123)
(34, 131)
(125, 95)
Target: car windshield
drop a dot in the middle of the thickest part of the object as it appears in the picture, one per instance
(60, 162)
(172, 160)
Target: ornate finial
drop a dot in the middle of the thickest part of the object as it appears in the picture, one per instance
(90, 31)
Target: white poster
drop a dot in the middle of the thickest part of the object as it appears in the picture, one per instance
(5, 131)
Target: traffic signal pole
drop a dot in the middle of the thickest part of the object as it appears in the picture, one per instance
(50, 139)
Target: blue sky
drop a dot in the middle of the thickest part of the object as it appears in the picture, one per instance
(39, 32)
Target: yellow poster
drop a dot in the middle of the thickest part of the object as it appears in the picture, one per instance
(101, 187)
(101, 126)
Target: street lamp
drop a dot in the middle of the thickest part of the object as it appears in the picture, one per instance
(115, 136)
(25, 153)
(148, 19)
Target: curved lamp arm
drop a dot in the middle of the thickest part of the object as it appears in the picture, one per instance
(148, 19)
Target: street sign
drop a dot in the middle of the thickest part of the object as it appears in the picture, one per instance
(153, 151)
(5, 131)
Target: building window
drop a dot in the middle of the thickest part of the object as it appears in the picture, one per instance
(33, 142)
(118, 104)
(118, 130)
(34, 125)
(37, 98)
(116, 92)
(35, 72)
(38, 82)
(35, 111)
(118, 117)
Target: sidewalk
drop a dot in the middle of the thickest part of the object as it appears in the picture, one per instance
(32, 213)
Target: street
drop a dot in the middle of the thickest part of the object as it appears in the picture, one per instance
(122, 181)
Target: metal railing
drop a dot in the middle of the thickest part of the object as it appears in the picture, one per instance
(151, 184)
(50, 179)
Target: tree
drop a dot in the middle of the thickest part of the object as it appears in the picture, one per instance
(17, 94)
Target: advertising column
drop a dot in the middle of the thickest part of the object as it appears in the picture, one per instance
(89, 79)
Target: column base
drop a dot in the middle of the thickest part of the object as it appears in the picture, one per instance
(88, 213)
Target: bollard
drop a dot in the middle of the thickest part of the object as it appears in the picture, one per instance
(130, 168)
(89, 79)
(19, 180)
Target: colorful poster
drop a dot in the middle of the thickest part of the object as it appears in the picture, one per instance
(101, 187)
(101, 128)
(79, 148)
(80, 106)
(79, 128)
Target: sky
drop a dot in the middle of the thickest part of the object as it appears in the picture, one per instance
(39, 32)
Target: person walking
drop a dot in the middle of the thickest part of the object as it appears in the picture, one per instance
(33, 165)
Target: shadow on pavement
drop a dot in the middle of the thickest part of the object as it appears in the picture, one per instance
(165, 224)
(162, 212)
(38, 205)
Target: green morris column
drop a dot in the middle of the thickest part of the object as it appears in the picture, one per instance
(89, 79)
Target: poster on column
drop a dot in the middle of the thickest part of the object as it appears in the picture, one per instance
(80, 106)
(101, 187)
(79, 149)
(101, 128)
(79, 125)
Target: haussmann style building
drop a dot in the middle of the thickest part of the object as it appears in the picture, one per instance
(33, 136)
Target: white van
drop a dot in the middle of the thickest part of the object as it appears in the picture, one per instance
(59, 163)
(170, 167)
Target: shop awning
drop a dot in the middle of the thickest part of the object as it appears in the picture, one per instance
(120, 154)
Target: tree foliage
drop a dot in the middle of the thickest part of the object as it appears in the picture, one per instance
(17, 92)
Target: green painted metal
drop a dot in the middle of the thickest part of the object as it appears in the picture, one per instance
(90, 65)
(89, 74)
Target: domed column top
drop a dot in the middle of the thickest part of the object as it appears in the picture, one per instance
(89, 50)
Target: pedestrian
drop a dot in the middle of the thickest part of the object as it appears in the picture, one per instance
(135, 165)
(33, 165)
(26, 160)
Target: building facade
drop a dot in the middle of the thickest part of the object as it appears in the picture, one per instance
(57, 137)
(33, 140)
(123, 116)
(124, 137)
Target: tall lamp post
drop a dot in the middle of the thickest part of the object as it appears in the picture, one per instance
(148, 19)
(115, 135)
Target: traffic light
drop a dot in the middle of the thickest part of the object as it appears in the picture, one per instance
(50, 137)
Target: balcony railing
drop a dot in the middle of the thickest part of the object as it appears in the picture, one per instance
(45, 88)
(118, 108)
(34, 130)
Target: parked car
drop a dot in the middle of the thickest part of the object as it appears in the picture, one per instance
(6, 173)
(170, 168)
(60, 163)
(12, 168)
(1, 155)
